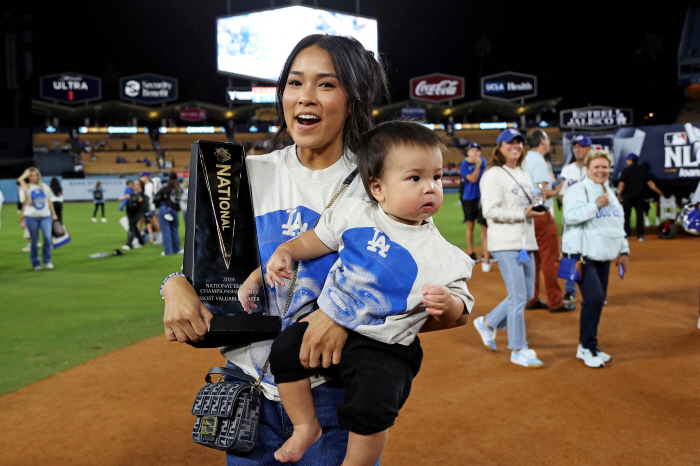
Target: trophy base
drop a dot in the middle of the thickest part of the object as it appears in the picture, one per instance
(238, 330)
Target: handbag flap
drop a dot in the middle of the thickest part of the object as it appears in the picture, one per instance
(218, 399)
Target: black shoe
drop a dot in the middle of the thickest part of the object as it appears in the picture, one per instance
(473, 257)
(564, 308)
(539, 304)
(569, 297)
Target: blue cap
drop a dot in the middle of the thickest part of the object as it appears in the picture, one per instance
(508, 135)
(474, 144)
(146, 174)
(585, 141)
(632, 157)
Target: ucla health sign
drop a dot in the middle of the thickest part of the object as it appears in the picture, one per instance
(148, 89)
(509, 86)
(70, 88)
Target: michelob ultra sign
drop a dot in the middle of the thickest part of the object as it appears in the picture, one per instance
(70, 88)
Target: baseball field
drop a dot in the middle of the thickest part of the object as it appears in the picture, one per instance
(87, 378)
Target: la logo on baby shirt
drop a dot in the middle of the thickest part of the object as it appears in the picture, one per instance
(378, 243)
(294, 226)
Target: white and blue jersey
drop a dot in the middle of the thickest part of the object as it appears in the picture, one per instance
(375, 287)
(288, 198)
(39, 201)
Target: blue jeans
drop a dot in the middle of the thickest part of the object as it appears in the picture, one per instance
(275, 428)
(570, 286)
(34, 224)
(520, 283)
(169, 229)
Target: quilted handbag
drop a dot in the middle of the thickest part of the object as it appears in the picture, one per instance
(227, 412)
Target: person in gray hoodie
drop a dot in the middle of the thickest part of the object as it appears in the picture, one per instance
(595, 230)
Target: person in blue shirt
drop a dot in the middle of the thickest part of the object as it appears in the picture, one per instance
(470, 170)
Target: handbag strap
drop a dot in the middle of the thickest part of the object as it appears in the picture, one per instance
(521, 186)
(345, 184)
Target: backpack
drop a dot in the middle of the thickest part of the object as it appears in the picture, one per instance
(98, 195)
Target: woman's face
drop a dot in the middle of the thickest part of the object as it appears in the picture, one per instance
(598, 170)
(315, 104)
(33, 177)
(512, 150)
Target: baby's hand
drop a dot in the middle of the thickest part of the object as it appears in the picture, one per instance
(279, 266)
(437, 298)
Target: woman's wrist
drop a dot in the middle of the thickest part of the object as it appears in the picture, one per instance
(168, 278)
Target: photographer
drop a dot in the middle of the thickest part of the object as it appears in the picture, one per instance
(167, 201)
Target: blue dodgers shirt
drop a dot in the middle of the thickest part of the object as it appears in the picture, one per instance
(471, 190)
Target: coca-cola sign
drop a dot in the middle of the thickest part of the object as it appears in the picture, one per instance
(437, 87)
(193, 114)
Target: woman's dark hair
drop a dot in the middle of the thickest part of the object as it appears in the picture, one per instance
(360, 73)
(498, 159)
(55, 186)
(375, 145)
(174, 184)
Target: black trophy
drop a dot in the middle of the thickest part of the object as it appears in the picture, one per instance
(221, 246)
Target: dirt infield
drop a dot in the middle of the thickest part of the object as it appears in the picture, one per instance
(468, 405)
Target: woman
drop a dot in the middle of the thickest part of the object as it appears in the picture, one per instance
(57, 198)
(168, 215)
(98, 197)
(595, 227)
(38, 214)
(506, 199)
(325, 96)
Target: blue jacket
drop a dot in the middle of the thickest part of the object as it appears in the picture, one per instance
(600, 232)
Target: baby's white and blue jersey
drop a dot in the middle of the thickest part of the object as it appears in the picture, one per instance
(288, 198)
(375, 287)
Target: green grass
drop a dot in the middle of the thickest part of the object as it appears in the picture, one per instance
(57, 319)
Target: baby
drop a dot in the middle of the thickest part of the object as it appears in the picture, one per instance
(394, 271)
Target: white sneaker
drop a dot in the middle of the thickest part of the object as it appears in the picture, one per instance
(488, 336)
(49, 266)
(605, 357)
(137, 246)
(647, 222)
(589, 358)
(657, 221)
(37, 268)
(181, 251)
(126, 247)
(27, 248)
(485, 267)
(94, 219)
(162, 253)
(104, 220)
(168, 217)
(525, 357)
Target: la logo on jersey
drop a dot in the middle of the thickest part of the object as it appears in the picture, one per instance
(378, 243)
(294, 226)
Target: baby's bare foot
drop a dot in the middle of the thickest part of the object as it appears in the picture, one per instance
(303, 437)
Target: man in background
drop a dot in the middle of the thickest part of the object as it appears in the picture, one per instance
(630, 191)
(546, 229)
(571, 174)
(471, 170)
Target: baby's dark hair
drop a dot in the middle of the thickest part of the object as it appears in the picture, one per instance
(374, 146)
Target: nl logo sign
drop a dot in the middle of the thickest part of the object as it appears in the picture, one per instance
(682, 151)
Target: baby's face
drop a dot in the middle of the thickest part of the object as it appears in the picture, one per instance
(410, 190)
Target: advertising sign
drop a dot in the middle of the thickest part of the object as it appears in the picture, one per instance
(601, 141)
(413, 112)
(437, 87)
(193, 114)
(148, 89)
(239, 94)
(70, 88)
(668, 152)
(509, 86)
(595, 118)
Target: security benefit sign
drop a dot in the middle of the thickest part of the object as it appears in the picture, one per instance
(70, 88)
(595, 118)
(221, 248)
(668, 152)
(148, 89)
(509, 86)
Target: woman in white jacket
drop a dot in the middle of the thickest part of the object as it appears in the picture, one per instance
(506, 200)
(595, 228)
